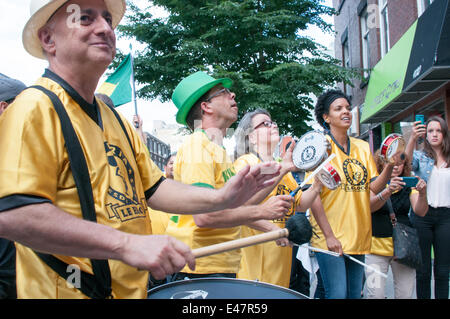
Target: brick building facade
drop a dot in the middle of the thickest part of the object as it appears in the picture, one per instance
(366, 31)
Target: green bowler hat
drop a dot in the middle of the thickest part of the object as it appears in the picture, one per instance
(190, 89)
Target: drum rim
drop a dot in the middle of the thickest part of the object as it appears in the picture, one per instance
(211, 279)
(296, 150)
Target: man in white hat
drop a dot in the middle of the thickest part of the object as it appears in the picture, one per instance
(40, 205)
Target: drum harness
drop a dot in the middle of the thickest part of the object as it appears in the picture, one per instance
(98, 285)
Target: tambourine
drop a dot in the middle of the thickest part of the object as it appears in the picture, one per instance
(392, 144)
(311, 150)
(329, 177)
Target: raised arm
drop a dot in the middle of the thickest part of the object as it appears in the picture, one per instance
(174, 197)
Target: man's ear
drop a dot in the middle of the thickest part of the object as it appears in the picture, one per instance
(45, 34)
(3, 106)
(205, 108)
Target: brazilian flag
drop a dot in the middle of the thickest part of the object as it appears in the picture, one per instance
(118, 86)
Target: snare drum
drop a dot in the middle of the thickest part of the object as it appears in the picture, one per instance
(222, 288)
(329, 177)
(311, 150)
(392, 144)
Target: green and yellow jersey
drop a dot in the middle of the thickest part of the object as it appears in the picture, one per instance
(203, 163)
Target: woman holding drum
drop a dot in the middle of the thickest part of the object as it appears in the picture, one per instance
(256, 138)
(433, 165)
(403, 198)
(342, 217)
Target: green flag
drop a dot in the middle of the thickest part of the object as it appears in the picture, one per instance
(118, 85)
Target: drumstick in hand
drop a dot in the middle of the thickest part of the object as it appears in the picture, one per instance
(294, 192)
(298, 230)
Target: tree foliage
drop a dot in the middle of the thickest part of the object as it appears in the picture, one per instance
(259, 44)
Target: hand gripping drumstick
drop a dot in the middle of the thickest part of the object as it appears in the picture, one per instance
(325, 162)
(298, 230)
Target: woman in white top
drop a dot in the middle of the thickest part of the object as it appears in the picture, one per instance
(433, 165)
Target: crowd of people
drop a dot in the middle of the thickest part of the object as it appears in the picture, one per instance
(78, 187)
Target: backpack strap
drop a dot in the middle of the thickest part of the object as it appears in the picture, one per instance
(97, 286)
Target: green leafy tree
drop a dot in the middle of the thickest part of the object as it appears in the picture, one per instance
(259, 44)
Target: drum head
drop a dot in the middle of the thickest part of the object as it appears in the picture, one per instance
(310, 151)
(329, 177)
(222, 288)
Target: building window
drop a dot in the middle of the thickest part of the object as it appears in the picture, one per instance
(364, 20)
(422, 5)
(384, 27)
(346, 62)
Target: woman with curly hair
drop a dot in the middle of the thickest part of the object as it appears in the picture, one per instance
(382, 251)
(342, 217)
(433, 165)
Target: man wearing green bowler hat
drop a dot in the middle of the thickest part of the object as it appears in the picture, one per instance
(208, 107)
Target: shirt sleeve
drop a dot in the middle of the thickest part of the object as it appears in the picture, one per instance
(32, 154)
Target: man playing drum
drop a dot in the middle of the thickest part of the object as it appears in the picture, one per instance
(40, 206)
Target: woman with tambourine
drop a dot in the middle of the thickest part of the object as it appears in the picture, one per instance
(256, 138)
(403, 198)
(433, 165)
(342, 217)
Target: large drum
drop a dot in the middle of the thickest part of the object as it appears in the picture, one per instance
(311, 150)
(222, 288)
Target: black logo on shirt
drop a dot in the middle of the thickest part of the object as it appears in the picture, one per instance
(122, 188)
(355, 175)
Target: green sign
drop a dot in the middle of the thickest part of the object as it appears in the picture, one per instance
(387, 78)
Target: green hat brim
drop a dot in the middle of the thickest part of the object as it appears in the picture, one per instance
(187, 105)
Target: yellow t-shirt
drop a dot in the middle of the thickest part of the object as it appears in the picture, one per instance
(201, 162)
(34, 167)
(268, 262)
(347, 208)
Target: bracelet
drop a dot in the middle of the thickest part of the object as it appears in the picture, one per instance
(380, 197)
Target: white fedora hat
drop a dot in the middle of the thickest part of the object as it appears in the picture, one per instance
(42, 10)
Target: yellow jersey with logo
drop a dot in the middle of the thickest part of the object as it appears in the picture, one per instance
(203, 163)
(347, 208)
(35, 168)
(268, 262)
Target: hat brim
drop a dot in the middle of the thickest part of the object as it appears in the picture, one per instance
(187, 105)
(30, 38)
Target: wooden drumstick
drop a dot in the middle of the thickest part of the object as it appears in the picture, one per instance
(298, 230)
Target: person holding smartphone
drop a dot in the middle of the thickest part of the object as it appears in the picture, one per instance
(433, 165)
(381, 254)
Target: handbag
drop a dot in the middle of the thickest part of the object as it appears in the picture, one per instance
(406, 242)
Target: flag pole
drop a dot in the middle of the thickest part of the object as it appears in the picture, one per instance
(133, 85)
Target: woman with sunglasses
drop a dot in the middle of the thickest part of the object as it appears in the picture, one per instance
(433, 165)
(256, 138)
(382, 251)
(342, 217)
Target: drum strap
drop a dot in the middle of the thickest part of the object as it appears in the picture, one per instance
(97, 286)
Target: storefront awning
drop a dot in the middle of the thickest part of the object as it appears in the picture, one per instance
(417, 65)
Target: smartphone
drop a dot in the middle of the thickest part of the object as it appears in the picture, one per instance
(421, 118)
(410, 181)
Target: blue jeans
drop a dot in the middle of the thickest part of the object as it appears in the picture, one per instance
(342, 278)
